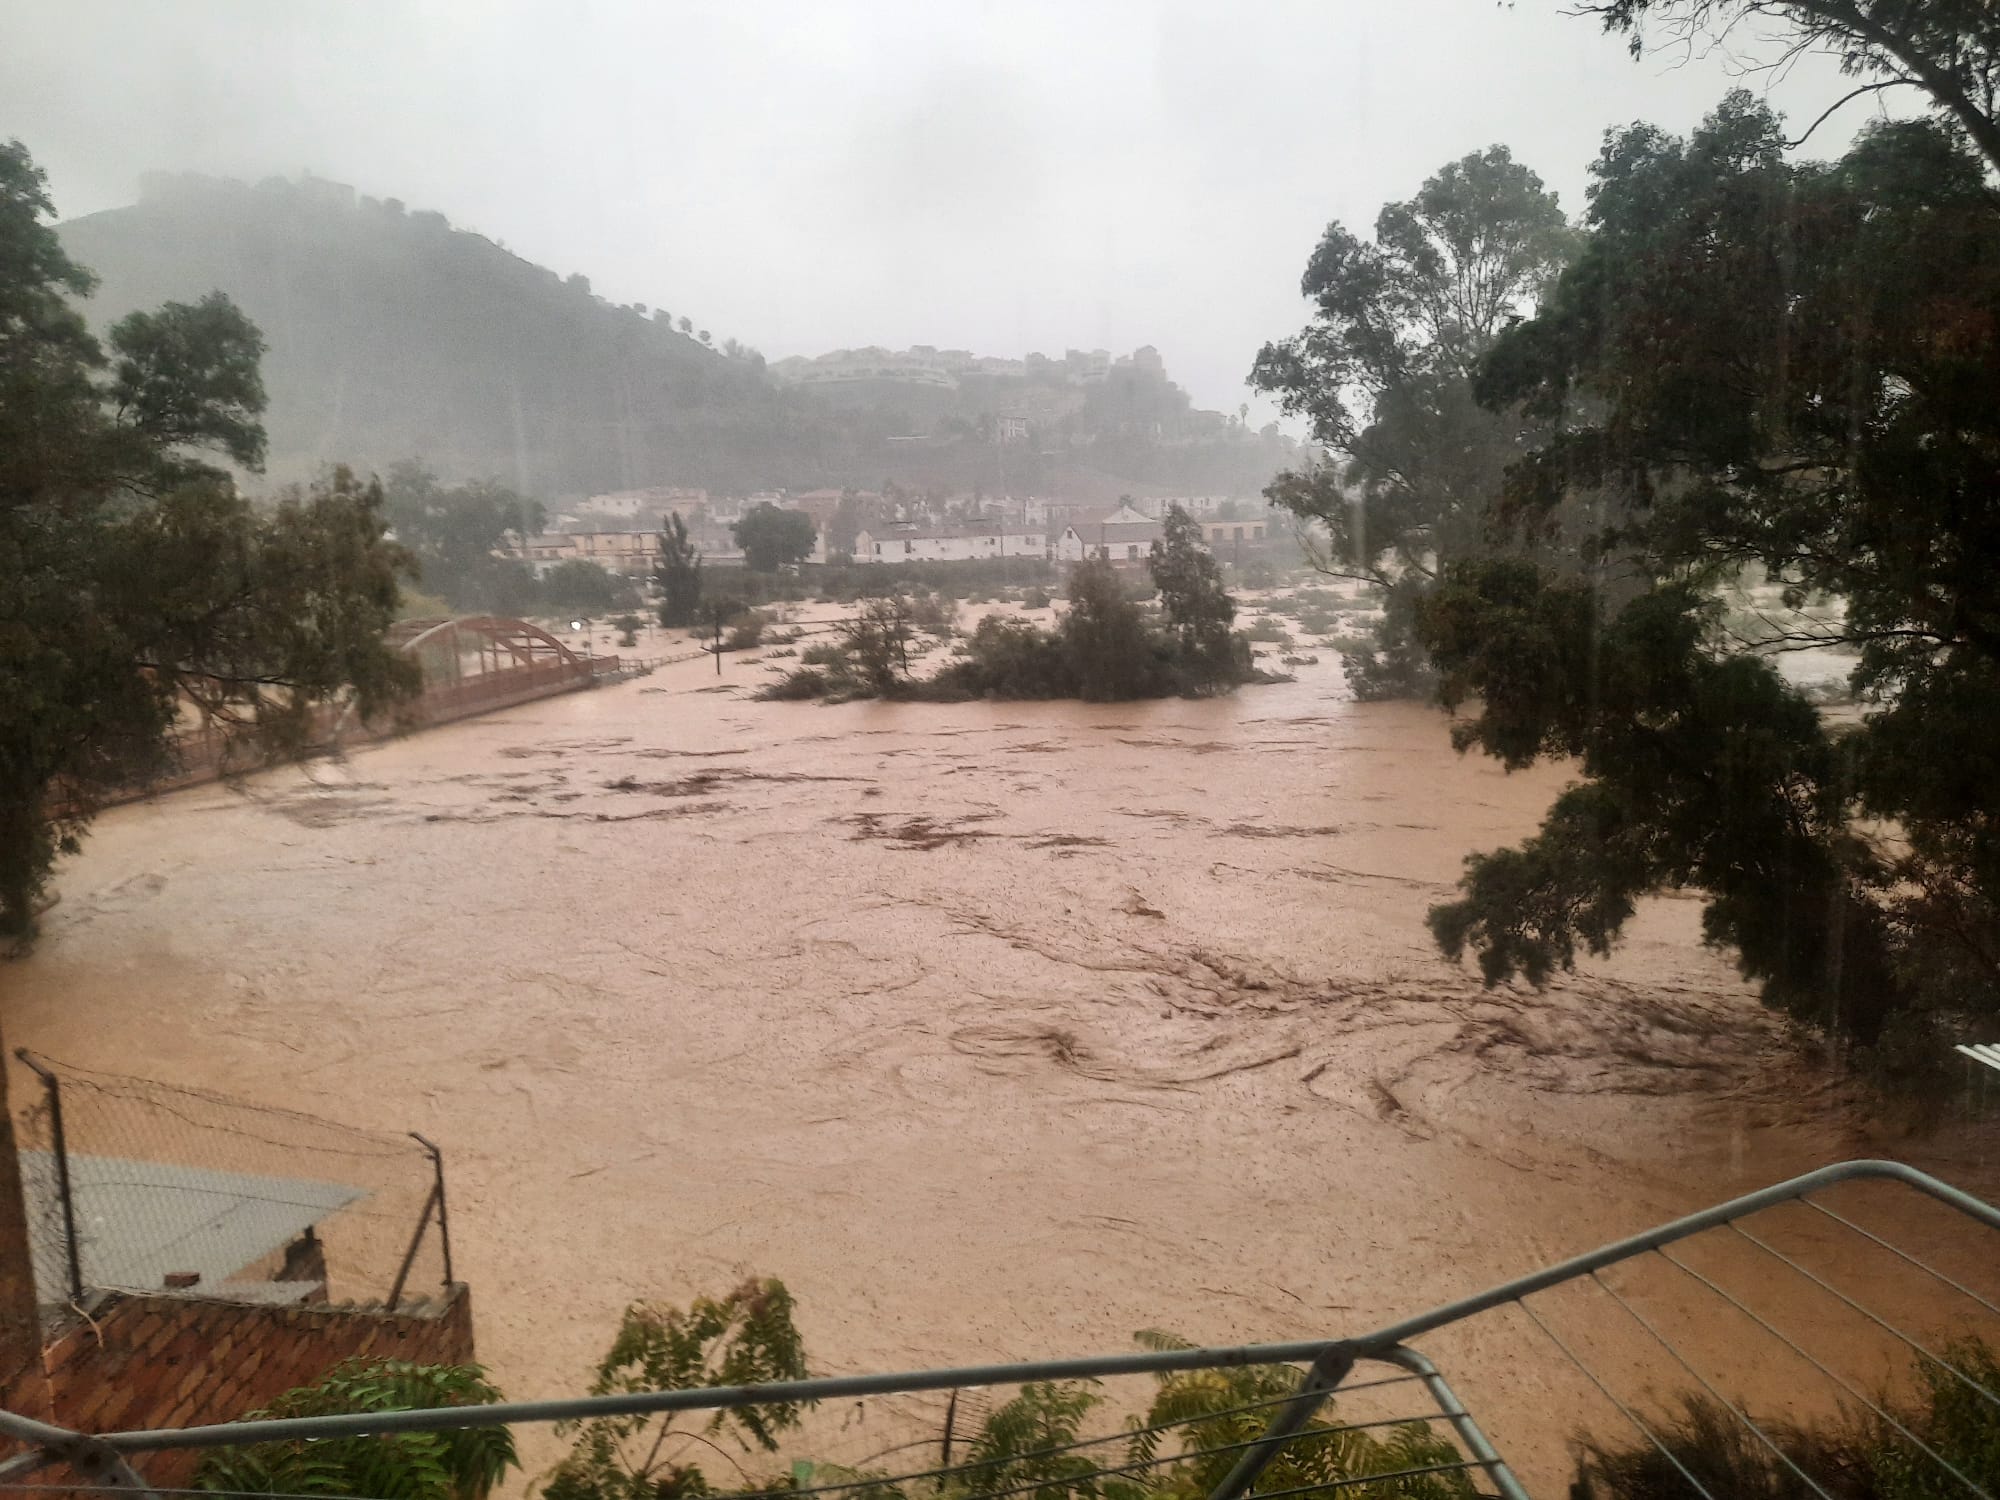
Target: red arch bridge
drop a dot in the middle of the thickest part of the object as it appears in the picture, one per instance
(471, 664)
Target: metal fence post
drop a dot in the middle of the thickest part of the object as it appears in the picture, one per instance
(1321, 1377)
(444, 1219)
(60, 1147)
(410, 1255)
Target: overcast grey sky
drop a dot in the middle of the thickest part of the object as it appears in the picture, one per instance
(805, 176)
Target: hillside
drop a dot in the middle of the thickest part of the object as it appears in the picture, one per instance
(393, 335)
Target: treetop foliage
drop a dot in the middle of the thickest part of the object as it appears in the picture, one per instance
(1384, 375)
(772, 538)
(748, 1337)
(135, 582)
(677, 575)
(1779, 370)
(1949, 50)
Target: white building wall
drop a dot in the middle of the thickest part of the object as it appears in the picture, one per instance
(973, 548)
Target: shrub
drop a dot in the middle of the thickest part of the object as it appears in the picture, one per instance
(930, 611)
(1009, 659)
(458, 1464)
(799, 683)
(1254, 574)
(1266, 629)
(1111, 653)
(877, 644)
(745, 631)
(1858, 1455)
(1034, 599)
(825, 654)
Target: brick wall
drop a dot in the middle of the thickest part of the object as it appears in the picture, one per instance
(163, 1361)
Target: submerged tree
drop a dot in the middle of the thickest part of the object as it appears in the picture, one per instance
(1199, 609)
(1787, 369)
(772, 538)
(1111, 653)
(877, 642)
(677, 575)
(133, 579)
(577, 585)
(1384, 376)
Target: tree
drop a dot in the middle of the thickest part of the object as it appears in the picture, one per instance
(1783, 371)
(1112, 655)
(134, 580)
(578, 586)
(877, 642)
(1037, 1443)
(677, 574)
(455, 533)
(849, 516)
(744, 1338)
(1383, 375)
(687, 325)
(771, 538)
(1947, 49)
(1199, 610)
(463, 1463)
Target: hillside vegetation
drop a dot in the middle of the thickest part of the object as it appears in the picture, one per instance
(393, 335)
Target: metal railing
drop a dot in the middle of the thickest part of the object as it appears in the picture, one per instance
(1329, 1363)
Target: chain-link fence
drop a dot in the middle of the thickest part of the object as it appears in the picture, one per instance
(136, 1185)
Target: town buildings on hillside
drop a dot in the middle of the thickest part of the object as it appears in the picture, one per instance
(628, 554)
(624, 554)
(1222, 533)
(949, 544)
(909, 529)
(1124, 536)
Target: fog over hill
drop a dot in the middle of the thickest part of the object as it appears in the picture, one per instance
(393, 335)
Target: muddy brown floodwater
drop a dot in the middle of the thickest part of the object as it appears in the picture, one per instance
(997, 1030)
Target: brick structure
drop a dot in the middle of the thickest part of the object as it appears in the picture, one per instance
(178, 1361)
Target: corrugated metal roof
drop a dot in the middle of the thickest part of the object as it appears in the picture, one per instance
(138, 1220)
(1120, 532)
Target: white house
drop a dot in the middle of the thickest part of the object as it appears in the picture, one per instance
(1124, 536)
(918, 544)
(1244, 530)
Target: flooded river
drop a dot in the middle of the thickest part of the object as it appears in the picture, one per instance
(996, 1030)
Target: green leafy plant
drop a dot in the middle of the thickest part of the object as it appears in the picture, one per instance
(135, 580)
(1844, 460)
(1198, 608)
(1201, 1410)
(461, 1464)
(1384, 374)
(1855, 1455)
(744, 1338)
